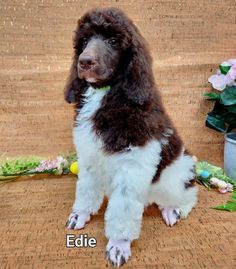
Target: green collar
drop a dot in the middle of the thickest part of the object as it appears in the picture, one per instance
(105, 88)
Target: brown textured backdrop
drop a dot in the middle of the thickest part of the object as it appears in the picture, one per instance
(187, 40)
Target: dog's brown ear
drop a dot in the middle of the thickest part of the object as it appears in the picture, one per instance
(74, 91)
(138, 80)
(74, 87)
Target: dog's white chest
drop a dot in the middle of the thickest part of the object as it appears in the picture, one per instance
(88, 144)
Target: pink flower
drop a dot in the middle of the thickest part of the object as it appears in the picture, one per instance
(38, 169)
(219, 81)
(223, 187)
(232, 61)
(55, 165)
(222, 191)
(232, 72)
(229, 188)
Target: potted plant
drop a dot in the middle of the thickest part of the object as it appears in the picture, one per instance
(222, 118)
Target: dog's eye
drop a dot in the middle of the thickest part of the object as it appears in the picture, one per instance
(84, 41)
(113, 41)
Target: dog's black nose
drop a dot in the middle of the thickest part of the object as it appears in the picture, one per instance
(86, 62)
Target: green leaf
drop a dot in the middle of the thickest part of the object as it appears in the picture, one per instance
(226, 207)
(230, 205)
(216, 122)
(230, 119)
(212, 96)
(220, 118)
(224, 69)
(228, 96)
(233, 197)
(219, 109)
(231, 109)
(229, 129)
(221, 207)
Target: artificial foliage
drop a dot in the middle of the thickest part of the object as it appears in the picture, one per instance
(222, 118)
(11, 168)
(230, 205)
(205, 171)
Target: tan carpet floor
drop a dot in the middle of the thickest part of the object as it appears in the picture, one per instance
(33, 214)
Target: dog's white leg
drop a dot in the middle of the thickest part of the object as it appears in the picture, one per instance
(174, 193)
(88, 198)
(130, 187)
(124, 215)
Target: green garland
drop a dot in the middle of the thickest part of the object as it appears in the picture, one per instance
(11, 168)
(205, 172)
(212, 171)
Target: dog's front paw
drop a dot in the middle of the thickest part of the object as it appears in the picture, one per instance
(77, 220)
(118, 251)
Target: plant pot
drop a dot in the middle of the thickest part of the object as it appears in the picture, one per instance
(230, 155)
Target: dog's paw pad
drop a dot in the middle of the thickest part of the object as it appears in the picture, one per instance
(77, 220)
(171, 215)
(118, 251)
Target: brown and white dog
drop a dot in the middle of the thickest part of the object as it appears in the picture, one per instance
(128, 148)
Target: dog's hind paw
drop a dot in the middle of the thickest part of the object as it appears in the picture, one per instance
(77, 220)
(118, 251)
(170, 215)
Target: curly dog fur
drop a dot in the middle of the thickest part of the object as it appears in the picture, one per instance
(126, 135)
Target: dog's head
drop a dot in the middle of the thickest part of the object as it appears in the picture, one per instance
(109, 50)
